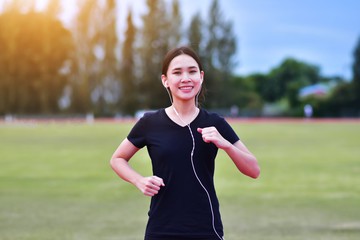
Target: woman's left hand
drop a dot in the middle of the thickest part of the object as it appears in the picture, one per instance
(211, 134)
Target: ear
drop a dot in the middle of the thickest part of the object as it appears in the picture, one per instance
(164, 81)
(201, 77)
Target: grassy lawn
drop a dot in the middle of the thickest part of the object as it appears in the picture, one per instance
(56, 183)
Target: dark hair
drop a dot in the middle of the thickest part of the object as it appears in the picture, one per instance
(176, 52)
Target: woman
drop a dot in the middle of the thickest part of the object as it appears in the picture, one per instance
(182, 142)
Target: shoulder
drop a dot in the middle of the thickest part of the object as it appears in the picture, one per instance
(212, 116)
(149, 122)
(149, 115)
(214, 119)
(224, 128)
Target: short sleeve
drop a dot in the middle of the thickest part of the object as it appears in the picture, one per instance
(137, 135)
(226, 130)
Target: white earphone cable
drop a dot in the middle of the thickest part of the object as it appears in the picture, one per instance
(193, 166)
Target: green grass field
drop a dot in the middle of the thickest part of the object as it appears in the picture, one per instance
(56, 183)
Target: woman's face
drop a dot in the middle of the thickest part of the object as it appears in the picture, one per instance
(183, 77)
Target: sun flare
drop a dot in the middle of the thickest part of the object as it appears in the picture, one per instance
(41, 4)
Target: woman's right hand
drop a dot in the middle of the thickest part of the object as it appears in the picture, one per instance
(150, 186)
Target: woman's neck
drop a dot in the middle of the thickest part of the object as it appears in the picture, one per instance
(182, 113)
(185, 108)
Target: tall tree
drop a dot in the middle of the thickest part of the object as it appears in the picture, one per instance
(356, 75)
(128, 100)
(54, 8)
(195, 35)
(195, 39)
(96, 44)
(175, 22)
(83, 32)
(108, 64)
(154, 45)
(345, 98)
(34, 48)
(220, 49)
(23, 6)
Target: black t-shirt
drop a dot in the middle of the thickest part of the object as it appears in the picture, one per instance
(182, 207)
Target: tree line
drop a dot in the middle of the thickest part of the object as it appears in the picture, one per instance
(47, 68)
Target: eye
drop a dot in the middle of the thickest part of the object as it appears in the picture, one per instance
(193, 70)
(177, 73)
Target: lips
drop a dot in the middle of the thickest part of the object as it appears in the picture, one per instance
(186, 88)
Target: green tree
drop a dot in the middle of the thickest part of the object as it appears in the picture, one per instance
(341, 101)
(292, 75)
(94, 81)
(344, 100)
(195, 39)
(264, 86)
(175, 23)
(154, 45)
(356, 76)
(220, 49)
(195, 35)
(242, 93)
(108, 73)
(128, 101)
(83, 72)
(35, 48)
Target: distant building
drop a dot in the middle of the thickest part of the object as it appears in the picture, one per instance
(319, 89)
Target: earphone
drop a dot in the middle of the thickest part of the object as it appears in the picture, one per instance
(192, 160)
(196, 98)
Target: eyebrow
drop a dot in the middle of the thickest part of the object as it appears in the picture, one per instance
(191, 67)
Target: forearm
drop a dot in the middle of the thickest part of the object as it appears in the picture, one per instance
(124, 170)
(243, 159)
(120, 164)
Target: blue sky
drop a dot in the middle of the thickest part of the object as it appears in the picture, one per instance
(320, 32)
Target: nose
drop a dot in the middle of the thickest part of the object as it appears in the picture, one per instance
(185, 77)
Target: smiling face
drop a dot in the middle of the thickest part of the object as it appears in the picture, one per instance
(183, 78)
